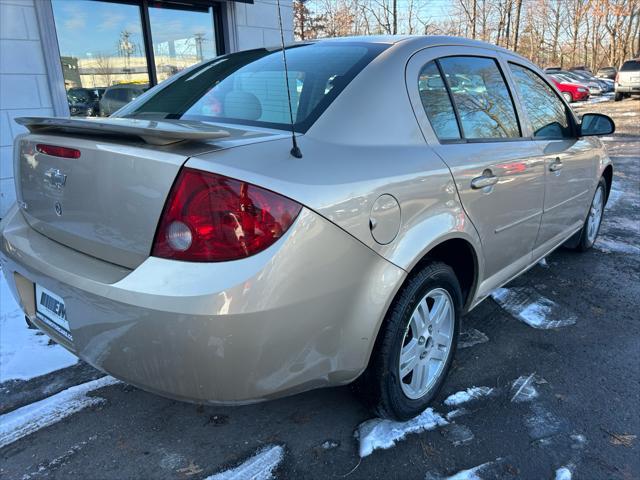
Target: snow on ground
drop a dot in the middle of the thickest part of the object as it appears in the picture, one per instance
(30, 418)
(542, 423)
(471, 337)
(258, 467)
(523, 389)
(379, 433)
(563, 473)
(610, 245)
(24, 353)
(527, 305)
(469, 474)
(458, 412)
(467, 395)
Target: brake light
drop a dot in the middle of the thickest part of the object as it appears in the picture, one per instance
(212, 218)
(56, 151)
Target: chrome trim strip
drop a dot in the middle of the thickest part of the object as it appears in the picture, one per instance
(565, 201)
(518, 222)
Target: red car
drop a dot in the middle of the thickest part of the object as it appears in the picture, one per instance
(572, 92)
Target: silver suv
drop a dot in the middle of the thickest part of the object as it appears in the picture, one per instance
(627, 81)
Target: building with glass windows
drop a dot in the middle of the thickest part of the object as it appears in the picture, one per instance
(90, 57)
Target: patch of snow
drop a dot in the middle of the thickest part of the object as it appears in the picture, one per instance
(542, 423)
(458, 412)
(171, 461)
(609, 245)
(469, 474)
(523, 389)
(30, 418)
(471, 337)
(44, 468)
(330, 444)
(25, 353)
(458, 434)
(537, 311)
(579, 439)
(467, 395)
(258, 467)
(380, 433)
(564, 473)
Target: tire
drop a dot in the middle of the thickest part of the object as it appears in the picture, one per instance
(617, 97)
(381, 386)
(586, 237)
(567, 96)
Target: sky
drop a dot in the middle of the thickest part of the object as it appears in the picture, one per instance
(87, 28)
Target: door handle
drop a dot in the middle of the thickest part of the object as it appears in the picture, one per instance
(556, 165)
(487, 179)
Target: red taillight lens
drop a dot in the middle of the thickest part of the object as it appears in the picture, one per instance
(56, 151)
(211, 218)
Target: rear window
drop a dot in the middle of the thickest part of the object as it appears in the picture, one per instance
(250, 87)
(630, 66)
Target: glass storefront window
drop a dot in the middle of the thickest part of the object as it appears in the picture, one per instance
(105, 59)
(101, 45)
(181, 38)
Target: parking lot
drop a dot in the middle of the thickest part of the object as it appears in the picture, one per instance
(546, 382)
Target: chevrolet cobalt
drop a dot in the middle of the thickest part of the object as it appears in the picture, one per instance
(238, 233)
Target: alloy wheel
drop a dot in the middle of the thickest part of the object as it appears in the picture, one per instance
(426, 343)
(595, 215)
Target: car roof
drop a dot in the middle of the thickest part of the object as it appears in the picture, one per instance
(419, 41)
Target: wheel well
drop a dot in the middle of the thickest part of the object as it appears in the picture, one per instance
(608, 176)
(461, 257)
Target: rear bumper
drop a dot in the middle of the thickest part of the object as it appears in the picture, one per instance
(302, 314)
(631, 88)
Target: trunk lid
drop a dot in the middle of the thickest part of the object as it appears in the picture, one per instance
(107, 203)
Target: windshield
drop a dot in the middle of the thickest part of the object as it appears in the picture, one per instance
(249, 87)
(630, 66)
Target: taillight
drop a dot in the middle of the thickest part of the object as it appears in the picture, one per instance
(212, 218)
(56, 151)
(616, 79)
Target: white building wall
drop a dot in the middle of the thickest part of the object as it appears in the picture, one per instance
(23, 83)
(257, 23)
(24, 80)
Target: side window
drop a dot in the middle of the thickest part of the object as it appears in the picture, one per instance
(482, 98)
(436, 103)
(548, 115)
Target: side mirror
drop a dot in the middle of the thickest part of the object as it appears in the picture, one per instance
(596, 124)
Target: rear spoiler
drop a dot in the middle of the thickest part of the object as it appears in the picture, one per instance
(154, 132)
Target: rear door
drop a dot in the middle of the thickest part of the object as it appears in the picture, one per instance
(469, 117)
(570, 162)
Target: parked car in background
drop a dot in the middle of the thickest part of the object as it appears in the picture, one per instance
(607, 72)
(595, 86)
(591, 79)
(190, 246)
(84, 102)
(581, 68)
(571, 92)
(628, 80)
(117, 96)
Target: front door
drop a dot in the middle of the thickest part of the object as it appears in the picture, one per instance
(570, 164)
(498, 172)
